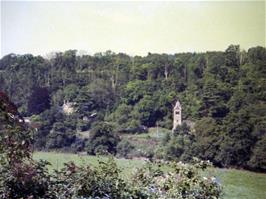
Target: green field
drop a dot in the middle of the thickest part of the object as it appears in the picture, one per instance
(237, 184)
(58, 159)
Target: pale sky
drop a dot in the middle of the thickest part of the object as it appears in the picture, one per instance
(135, 28)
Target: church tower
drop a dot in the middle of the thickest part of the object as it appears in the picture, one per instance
(177, 119)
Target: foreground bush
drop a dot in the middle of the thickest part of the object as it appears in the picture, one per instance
(181, 181)
(105, 181)
(150, 181)
(27, 179)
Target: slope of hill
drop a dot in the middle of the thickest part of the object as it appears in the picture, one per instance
(223, 92)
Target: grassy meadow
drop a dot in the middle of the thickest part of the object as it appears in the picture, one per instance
(237, 184)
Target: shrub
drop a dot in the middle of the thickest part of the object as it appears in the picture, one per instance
(103, 181)
(182, 181)
(102, 139)
(25, 180)
(125, 148)
(257, 160)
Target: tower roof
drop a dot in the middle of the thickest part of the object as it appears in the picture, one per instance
(177, 105)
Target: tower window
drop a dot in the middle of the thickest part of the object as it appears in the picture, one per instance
(177, 112)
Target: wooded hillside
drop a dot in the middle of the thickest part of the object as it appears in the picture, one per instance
(223, 92)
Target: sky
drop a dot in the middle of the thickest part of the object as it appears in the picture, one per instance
(135, 28)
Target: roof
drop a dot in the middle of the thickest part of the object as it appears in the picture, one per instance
(177, 105)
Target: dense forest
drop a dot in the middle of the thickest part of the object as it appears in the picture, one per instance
(111, 94)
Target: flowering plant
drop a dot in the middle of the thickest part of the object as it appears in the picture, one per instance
(177, 180)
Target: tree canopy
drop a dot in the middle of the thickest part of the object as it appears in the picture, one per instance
(223, 92)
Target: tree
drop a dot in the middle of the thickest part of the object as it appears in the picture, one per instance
(215, 89)
(124, 148)
(61, 136)
(102, 139)
(257, 160)
(232, 55)
(71, 92)
(207, 137)
(256, 54)
(179, 144)
(39, 100)
(215, 95)
(235, 148)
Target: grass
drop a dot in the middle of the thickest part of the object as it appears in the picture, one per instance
(146, 143)
(237, 184)
(57, 161)
(155, 133)
(242, 184)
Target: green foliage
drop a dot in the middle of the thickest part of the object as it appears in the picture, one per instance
(25, 179)
(150, 181)
(207, 139)
(182, 181)
(178, 145)
(237, 141)
(90, 182)
(61, 136)
(39, 100)
(257, 159)
(134, 93)
(14, 136)
(232, 55)
(125, 148)
(20, 176)
(122, 117)
(70, 92)
(102, 139)
(235, 182)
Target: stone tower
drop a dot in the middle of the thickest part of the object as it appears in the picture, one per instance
(177, 115)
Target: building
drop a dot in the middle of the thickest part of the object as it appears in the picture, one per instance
(177, 117)
(68, 107)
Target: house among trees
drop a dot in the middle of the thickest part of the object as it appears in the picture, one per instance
(68, 108)
(177, 119)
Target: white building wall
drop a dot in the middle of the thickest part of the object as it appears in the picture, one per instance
(177, 115)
